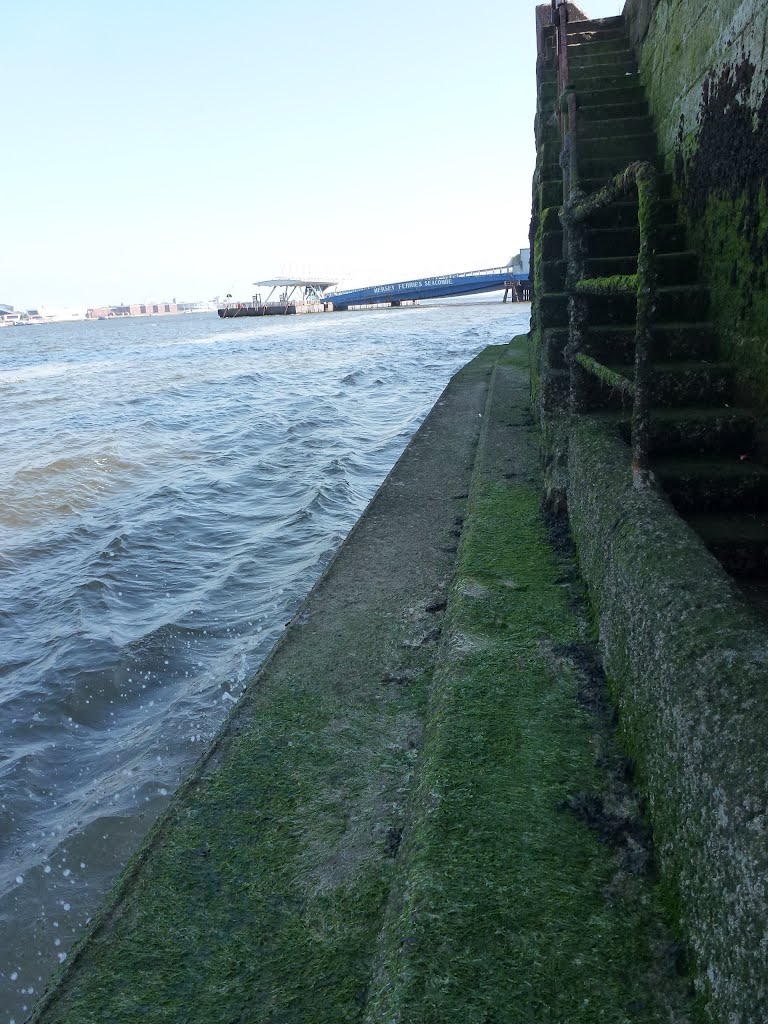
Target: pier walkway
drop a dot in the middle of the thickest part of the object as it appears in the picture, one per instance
(472, 282)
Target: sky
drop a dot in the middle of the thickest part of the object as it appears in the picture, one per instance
(164, 150)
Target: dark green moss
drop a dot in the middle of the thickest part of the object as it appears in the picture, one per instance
(619, 284)
(240, 910)
(738, 302)
(720, 160)
(606, 375)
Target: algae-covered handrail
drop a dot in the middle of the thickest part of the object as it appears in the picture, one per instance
(577, 211)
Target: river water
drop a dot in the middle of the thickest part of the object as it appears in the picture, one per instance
(170, 489)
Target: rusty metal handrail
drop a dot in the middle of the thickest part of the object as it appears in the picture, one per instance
(566, 99)
(576, 214)
(577, 209)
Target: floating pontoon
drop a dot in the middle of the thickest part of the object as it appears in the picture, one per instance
(286, 295)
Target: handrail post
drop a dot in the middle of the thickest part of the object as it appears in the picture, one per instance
(576, 212)
(576, 270)
(561, 7)
(648, 206)
(566, 99)
(573, 167)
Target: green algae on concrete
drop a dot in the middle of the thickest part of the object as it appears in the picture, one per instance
(509, 909)
(621, 382)
(619, 284)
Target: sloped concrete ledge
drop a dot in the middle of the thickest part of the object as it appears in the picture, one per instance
(689, 669)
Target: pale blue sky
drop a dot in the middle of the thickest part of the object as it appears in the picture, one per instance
(160, 150)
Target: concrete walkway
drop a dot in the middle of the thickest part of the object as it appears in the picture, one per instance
(412, 815)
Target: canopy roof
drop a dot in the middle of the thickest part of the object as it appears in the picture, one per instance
(293, 282)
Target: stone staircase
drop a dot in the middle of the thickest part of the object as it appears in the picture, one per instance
(703, 445)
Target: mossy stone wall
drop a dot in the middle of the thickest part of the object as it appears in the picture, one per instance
(687, 665)
(704, 65)
(686, 662)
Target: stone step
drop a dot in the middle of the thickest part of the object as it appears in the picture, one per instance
(546, 95)
(625, 213)
(602, 37)
(609, 111)
(625, 147)
(546, 99)
(600, 77)
(548, 135)
(619, 125)
(618, 215)
(672, 303)
(674, 385)
(616, 345)
(619, 150)
(609, 95)
(593, 91)
(551, 194)
(698, 486)
(739, 542)
(597, 26)
(693, 431)
(678, 268)
(601, 169)
(585, 62)
(624, 241)
(608, 45)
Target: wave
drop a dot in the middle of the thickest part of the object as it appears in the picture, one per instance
(22, 374)
(61, 487)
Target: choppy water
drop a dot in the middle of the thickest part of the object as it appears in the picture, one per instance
(170, 489)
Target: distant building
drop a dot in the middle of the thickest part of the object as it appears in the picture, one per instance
(136, 309)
